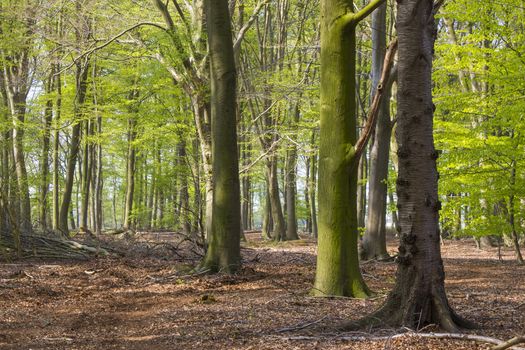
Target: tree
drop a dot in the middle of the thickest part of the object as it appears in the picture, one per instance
(373, 244)
(418, 297)
(337, 260)
(223, 252)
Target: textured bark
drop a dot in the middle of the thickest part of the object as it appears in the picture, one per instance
(337, 261)
(418, 298)
(223, 252)
(373, 244)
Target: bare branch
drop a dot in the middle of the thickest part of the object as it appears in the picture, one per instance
(108, 42)
(374, 108)
(247, 25)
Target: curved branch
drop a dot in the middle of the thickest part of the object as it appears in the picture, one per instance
(108, 42)
(374, 108)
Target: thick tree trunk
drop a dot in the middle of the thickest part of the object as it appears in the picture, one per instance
(337, 260)
(223, 252)
(418, 298)
(373, 244)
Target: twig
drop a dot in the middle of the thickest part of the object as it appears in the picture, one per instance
(300, 326)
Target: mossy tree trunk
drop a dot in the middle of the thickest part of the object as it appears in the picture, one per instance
(337, 261)
(418, 297)
(223, 254)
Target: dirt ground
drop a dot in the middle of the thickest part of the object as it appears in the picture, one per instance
(148, 303)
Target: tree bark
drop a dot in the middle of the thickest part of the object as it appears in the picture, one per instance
(418, 298)
(223, 252)
(373, 244)
(337, 260)
(81, 75)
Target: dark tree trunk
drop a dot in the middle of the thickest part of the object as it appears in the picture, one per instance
(279, 225)
(418, 298)
(224, 253)
(184, 199)
(81, 89)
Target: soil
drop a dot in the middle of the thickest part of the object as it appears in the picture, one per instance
(151, 303)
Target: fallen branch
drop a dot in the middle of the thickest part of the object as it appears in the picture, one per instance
(500, 345)
(509, 343)
(300, 326)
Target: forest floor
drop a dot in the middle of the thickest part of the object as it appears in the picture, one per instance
(147, 303)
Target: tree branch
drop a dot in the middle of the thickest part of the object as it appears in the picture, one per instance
(509, 343)
(108, 42)
(374, 108)
(368, 9)
(247, 25)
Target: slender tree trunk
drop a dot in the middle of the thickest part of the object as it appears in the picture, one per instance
(512, 218)
(223, 252)
(86, 179)
(184, 198)
(81, 89)
(279, 225)
(44, 162)
(56, 154)
(312, 191)
(130, 176)
(373, 245)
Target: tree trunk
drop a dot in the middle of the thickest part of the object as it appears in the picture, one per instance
(312, 189)
(418, 298)
(56, 154)
(337, 260)
(279, 225)
(86, 179)
(373, 245)
(184, 199)
(223, 252)
(130, 175)
(291, 192)
(44, 161)
(81, 89)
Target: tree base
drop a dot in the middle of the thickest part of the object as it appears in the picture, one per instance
(395, 314)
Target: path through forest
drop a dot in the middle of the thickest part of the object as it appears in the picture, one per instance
(122, 303)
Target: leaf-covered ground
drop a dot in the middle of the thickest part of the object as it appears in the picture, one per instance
(149, 303)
